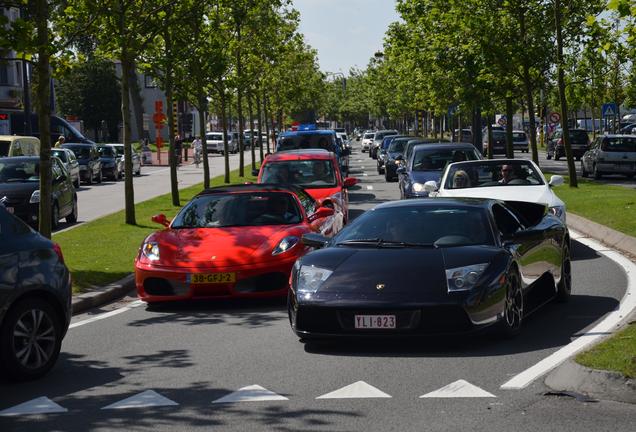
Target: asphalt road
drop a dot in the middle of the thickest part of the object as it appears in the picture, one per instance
(196, 354)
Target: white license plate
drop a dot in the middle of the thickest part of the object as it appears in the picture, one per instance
(10, 209)
(375, 321)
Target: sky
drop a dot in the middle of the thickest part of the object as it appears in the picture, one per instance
(346, 33)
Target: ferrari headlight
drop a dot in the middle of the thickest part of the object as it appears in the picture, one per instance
(310, 278)
(285, 244)
(35, 197)
(418, 187)
(150, 250)
(464, 278)
(558, 211)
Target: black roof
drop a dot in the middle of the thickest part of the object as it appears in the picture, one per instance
(443, 145)
(440, 202)
(256, 187)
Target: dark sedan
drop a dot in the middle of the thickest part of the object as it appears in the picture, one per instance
(431, 267)
(427, 163)
(89, 161)
(20, 190)
(383, 151)
(35, 300)
(111, 162)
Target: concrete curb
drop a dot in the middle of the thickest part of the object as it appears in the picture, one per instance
(102, 295)
(599, 384)
(606, 235)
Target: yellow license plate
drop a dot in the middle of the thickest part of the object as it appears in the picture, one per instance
(211, 278)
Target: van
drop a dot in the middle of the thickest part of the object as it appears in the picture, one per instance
(59, 126)
(14, 145)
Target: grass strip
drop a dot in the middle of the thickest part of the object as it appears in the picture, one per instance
(102, 251)
(617, 353)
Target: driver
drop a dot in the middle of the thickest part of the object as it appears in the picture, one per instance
(507, 174)
(320, 173)
(278, 209)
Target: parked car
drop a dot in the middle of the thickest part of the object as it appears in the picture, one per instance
(20, 190)
(15, 145)
(68, 159)
(383, 154)
(316, 171)
(35, 300)
(252, 232)
(367, 140)
(427, 163)
(438, 266)
(503, 179)
(579, 142)
(136, 159)
(112, 166)
(520, 141)
(498, 142)
(377, 141)
(466, 135)
(214, 142)
(89, 161)
(394, 157)
(629, 129)
(610, 154)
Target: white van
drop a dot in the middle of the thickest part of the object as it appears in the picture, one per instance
(214, 142)
(15, 145)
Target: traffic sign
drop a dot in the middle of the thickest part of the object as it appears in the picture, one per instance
(555, 117)
(609, 109)
(502, 121)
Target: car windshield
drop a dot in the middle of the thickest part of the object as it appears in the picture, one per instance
(107, 152)
(437, 159)
(61, 154)
(368, 136)
(307, 141)
(214, 137)
(19, 171)
(619, 144)
(4, 148)
(304, 173)
(239, 209)
(492, 173)
(518, 136)
(119, 150)
(578, 135)
(426, 225)
(397, 146)
(81, 152)
(498, 135)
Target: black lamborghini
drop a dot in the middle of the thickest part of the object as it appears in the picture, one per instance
(431, 267)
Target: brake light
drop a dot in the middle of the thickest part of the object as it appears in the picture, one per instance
(58, 251)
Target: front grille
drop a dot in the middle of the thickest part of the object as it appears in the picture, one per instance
(158, 287)
(262, 283)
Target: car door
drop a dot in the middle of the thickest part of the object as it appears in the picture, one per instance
(324, 226)
(62, 188)
(590, 156)
(97, 164)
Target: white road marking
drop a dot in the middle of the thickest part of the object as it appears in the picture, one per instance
(606, 326)
(146, 399)
(459, 389)
(369, 187)
(105, 315)
(253, 393)
(365, 174)
(41, 405)
(357, 390)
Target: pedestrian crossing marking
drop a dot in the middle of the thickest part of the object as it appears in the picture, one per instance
(458, 389)
(357, 390)
(253, 393)
(41, 405)
(146, 399)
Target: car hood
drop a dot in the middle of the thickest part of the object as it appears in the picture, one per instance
(412, 274)
(533, 194)
(424, 176)
(18, 191)
(220, 246)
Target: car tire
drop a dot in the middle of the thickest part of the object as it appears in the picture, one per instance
(55, 217)
(99, 177)
(556, 156)
(548, 156)
(89, 179)
(138, 172)
(584, 172)
(16, 364)
(72, 216)
(510, 324)
(564, 287)
(76, 183)
(597, 174)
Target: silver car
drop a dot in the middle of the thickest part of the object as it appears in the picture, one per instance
(520, 141)
(136, 159)
(610, 154)
(214, 142)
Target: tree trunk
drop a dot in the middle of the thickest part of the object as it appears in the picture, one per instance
(203, 106)
(489, 138)
(530, 98)
(136, 99)
(125, 115)
(267, 129)
(226, 149)
(239, 100)
(562, 96)
(509, 114)
(251, 120)
(172, 157)
(259, 112)
(43, 90)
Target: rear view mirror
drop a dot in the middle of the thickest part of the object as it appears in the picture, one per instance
(400, 169)
(314, 240)
(556, 180)
(161, 219)
(322, 212)
(430, 186)
(350, 181)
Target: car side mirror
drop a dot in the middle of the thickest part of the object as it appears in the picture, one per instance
(345, 152)
(161, 219)
(399, 158)
(556, 180)
(314, 240)
(350, 181)
(321, 212)
(430, 186)
(401, 169)
(255, 172)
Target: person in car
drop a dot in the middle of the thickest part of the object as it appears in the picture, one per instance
(278, 211)
(320, 173)
(461, 180)
(507, 174)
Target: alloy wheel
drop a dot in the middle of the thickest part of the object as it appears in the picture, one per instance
(564, 287)
(513, 309)
(34, 339)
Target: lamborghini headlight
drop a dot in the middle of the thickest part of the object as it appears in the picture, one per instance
(310, 278)
(464, 278)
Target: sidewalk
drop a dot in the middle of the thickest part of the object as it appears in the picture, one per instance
(161, 158)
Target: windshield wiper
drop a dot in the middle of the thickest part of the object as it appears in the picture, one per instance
(378, 242)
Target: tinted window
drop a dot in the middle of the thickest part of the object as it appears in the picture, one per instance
(492, 173)
(304, 173)
(12, 171)
(307, 141)
(397, 146)
(214, 137)
(437, 159)
(447, 225)
(106, 152)
(578, 136)
(239, 209)
(4, 148)
(368, 136)
(518, 136)
(505, 221)
(619, 144)
(498, 135)
(11, 225)
(61, 154)
(81, 152)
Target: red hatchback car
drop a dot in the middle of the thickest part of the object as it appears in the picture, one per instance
(316, 171)
(234, 241)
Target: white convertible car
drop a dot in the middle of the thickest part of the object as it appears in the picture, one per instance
(503, 179)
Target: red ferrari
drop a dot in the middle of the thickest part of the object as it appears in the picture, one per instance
(234, 241)
(317, 172)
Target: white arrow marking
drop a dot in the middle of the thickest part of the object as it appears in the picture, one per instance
(253, 393)
(147, 399)
(356, 390)
(369, 187)
(458, 389)
(41, 405)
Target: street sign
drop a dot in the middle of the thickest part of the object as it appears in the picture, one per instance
(555, 117)
(609, 109)
(502, 121)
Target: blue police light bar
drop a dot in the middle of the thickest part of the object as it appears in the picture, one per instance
(307, 127)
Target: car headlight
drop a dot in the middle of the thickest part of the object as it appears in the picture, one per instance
(464, 278)
(558, 211)
(310, 278)
(35, 197)
(418, 187)
(285, 244)
(150, 250)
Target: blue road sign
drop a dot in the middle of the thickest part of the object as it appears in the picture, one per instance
(609, 109)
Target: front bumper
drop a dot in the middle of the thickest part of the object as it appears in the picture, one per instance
(28, 212)
(163, 284)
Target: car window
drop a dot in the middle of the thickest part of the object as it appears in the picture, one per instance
(215, 137)
(12, 171)
(11, 225)
(518, 136)
(437, 159)
(308, 203)
(61, 154)
(492, 173)
(619, 144)
(303, 173)
(106, 151)
(505, 221)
